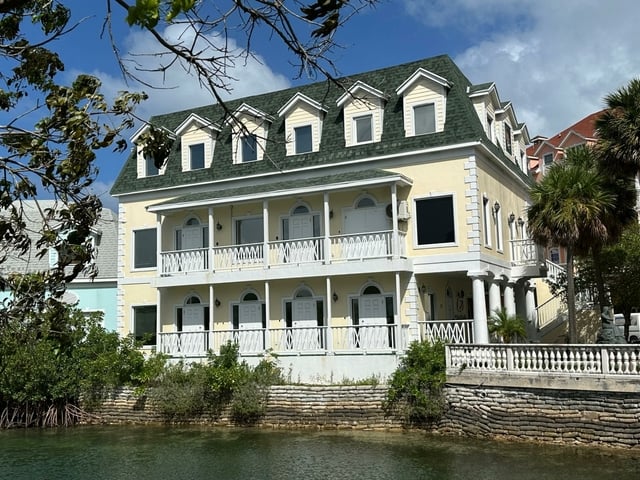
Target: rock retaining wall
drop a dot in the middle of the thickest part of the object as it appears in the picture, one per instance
(552, 415)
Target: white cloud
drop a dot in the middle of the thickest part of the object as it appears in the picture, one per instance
(555, 60)
(178, 88)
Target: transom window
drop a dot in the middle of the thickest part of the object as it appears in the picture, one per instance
(196, 156)
(434, 220)
(303, 139)
(363, 129)
(366, 202)
(424, 118)
(249, 148)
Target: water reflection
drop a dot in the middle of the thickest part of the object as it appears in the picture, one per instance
(201, 453)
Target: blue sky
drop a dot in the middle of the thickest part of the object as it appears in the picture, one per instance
(554, 59)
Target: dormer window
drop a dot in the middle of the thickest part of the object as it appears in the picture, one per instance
(424, 119)
(363, 129)
(507, 138)
(197, 139)
(424, 97)
(363, 108)
(196, 156)
(303, 139)
(150, 168)
(249, 127)
(303, 118)
(249, 147)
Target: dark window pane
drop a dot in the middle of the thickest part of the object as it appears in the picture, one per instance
(150, 167)
(144, 248)
(303, 139)
(424, 118)
(434, 220)
(196, 153)
(144, 324)
(248, 145)
(364, 130)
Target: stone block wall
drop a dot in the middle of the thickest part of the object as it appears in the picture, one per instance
(564, 416)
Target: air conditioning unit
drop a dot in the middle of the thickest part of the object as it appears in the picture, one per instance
(403, 210)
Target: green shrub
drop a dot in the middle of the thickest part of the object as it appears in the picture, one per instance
(416, 387)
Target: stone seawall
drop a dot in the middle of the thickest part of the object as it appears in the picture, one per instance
(565, 416)
(604, 418)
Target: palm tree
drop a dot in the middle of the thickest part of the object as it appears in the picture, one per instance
(507, 327)
(618, 130)
(573, 208)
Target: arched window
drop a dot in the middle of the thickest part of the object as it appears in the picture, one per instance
(300, 210)
(303, 292)
(365, 202)
(371, 290)
(250, 297)
(192, 300)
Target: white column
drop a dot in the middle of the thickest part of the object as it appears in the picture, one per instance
(509, 299)
(329, 309)
(158, 318)
(265, 232)
(267, 309)
(212, 307)
(327, 232)
(159, 243)
(211, 244)
(530, 304)
(480, 330)
(397, 317)
(394, 209)
(494, 297)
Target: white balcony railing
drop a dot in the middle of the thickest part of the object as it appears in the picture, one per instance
(361, 245)
(301, 250)
(309, 340)
(358, 246)
(526, 252)
(554, 359)
(184, 261)
(449, 331)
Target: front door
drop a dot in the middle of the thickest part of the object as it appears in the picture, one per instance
(304, 250)
(250, 327)
(373, 226)
(304, 334)
(192, 338)
(372, 332)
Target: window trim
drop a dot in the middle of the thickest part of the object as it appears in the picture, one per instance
(133, 250)
(204, 150)
(242, 143)
(413, 114)
(354, 128)
(295, 138)
(154, 341)
(418, 246)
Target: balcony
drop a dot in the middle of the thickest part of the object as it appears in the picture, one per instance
(342, 248)
(289, 341)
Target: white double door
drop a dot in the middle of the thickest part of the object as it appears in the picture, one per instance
(304, 334)
(250, 335)
(302, 247)
(369, 223)
(192, 338)
(372, 331)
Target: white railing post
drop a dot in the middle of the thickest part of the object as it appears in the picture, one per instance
(604, 360)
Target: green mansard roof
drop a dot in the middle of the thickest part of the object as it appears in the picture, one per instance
(461, 125)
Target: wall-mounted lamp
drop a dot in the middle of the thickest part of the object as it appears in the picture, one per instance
(520, 222)
(423, 289)
(330, 213)
(512, 217)
(335, 297)
(217, 303)
(496, 207)
(218, 226)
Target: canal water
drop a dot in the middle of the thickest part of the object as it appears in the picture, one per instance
(193, 453)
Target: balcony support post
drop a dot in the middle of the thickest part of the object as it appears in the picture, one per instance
(329, 297)
(494, 296)
(480, 330)
(211, 239)
(399, 346)
(327, 232)
(159, 243)
(394, 216)
(265, 232)
(267, 321)
(509, 299)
